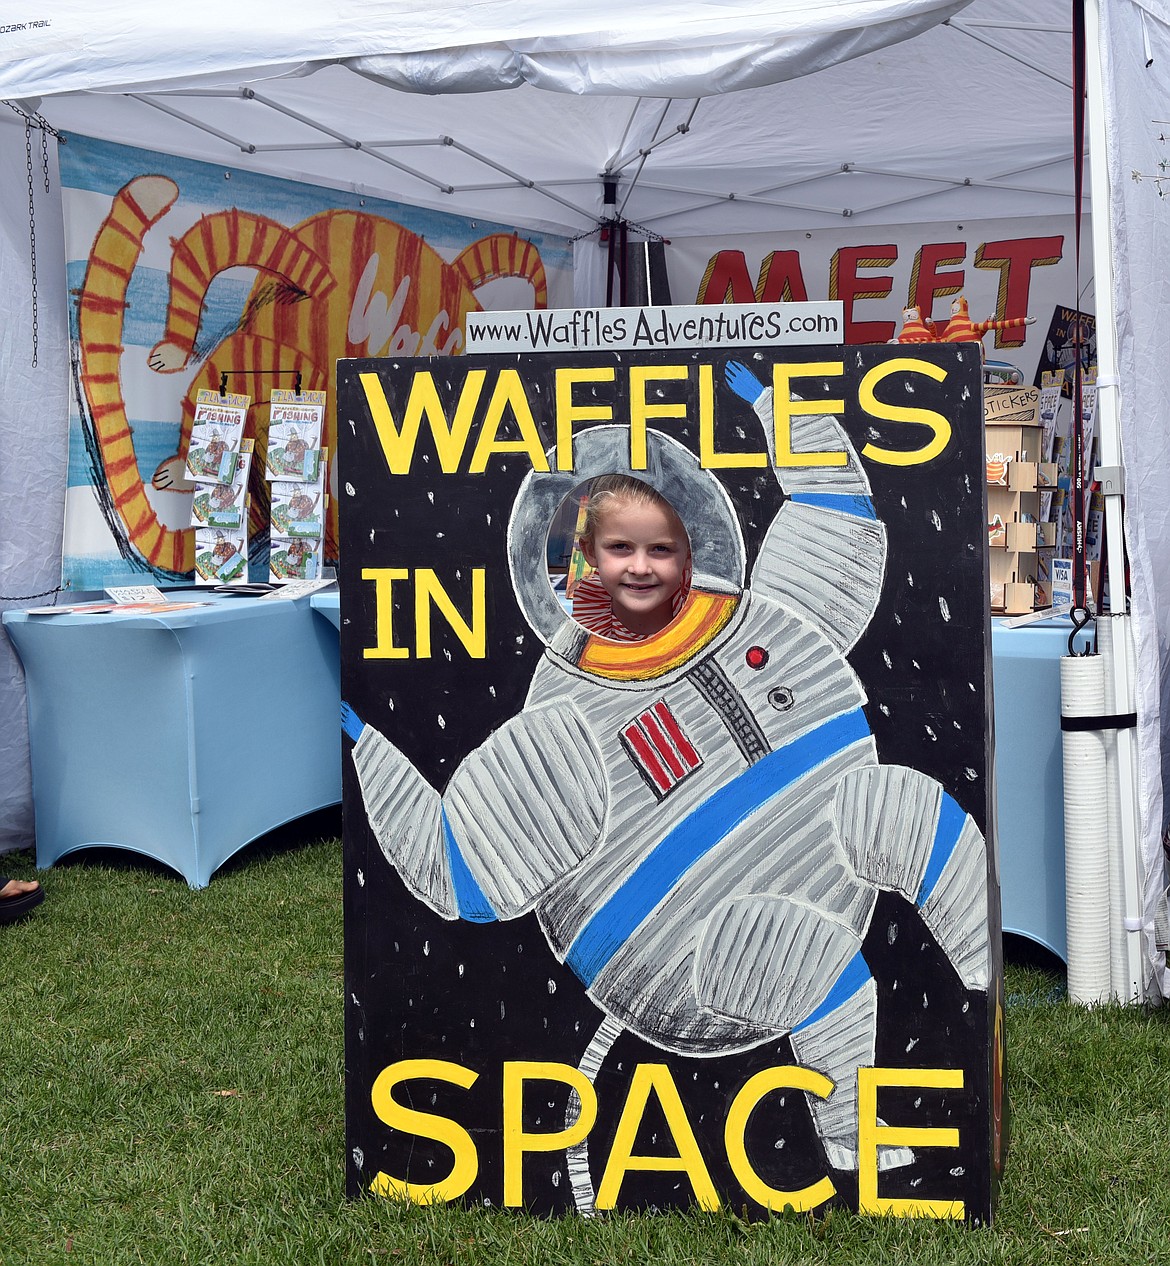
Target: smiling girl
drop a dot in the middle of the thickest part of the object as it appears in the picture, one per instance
(642, 556)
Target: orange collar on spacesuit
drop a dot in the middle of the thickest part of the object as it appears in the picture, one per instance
(701, 618)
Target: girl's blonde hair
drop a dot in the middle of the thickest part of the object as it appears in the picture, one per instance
(606, 490)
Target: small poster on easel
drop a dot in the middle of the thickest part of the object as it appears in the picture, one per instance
(579, 566)
(1065, 533)
(1088, 421)
(217, 431)
(295, 427)
(225, 505)
(1052, 385)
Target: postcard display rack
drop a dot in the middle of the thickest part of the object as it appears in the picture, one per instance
(218, 463)
(1030, 536)
(1022, 532)
(296, 466)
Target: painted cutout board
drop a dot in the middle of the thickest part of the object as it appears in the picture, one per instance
(707, 918)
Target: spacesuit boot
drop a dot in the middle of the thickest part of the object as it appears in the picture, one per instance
(753, 961)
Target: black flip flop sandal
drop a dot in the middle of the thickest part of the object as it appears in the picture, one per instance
(14, 908)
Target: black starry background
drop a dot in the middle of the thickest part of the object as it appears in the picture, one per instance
(418, 986)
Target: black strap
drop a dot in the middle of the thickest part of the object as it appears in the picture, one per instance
(1109, 721)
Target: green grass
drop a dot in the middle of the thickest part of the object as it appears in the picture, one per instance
(172, 1077)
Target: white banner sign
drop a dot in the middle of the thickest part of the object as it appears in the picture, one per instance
(617, 329)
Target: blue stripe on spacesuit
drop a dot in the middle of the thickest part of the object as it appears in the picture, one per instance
(853, 975)
(946, 836)
(697, 834)
(846, 502)
(470, 899)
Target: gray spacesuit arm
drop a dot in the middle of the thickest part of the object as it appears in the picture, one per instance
(405, 814)
(528, 805)
(824, 554)
(520, 811)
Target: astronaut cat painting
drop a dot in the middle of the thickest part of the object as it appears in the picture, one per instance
(706, 917)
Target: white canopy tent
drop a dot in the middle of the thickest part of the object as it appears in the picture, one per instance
(749, 116)
(693, 116)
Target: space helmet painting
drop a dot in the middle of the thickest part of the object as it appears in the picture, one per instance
(702, 915)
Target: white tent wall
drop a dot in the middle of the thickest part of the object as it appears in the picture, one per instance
(33, 434)
(916, 122)
(1135, 44)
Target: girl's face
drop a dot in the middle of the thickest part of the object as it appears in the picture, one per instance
(641, 553)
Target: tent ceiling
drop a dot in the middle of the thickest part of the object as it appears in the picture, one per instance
(970, 119)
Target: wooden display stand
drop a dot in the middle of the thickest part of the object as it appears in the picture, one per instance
(1015, 480)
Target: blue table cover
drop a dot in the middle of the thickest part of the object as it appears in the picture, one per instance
(181, 735)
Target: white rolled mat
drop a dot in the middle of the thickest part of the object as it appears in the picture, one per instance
(1086, 841)
(1118, 965)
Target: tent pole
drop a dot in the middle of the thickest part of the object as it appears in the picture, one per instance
(1111, 466)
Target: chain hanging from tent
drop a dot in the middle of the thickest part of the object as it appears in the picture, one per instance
(45, 128)
(612, 232)
(28, 597)
(598, 230)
